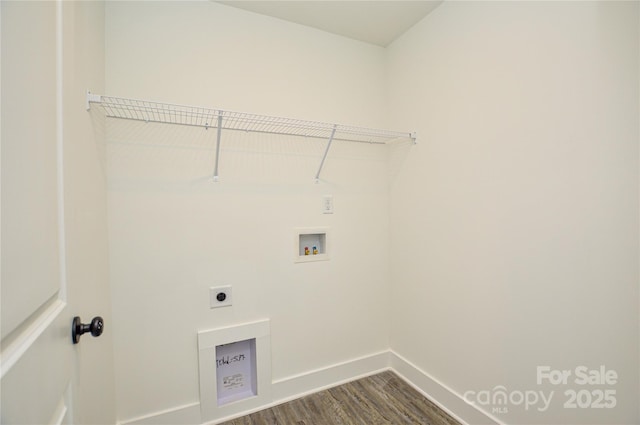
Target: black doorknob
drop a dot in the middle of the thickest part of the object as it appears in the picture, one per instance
(78, 328)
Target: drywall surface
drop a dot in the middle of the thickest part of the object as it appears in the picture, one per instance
(515, 219)
(174, 233)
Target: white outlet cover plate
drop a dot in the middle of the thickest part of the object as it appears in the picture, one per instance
(327, 204)
(213, 296)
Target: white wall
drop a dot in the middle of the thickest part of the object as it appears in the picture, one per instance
(173, 233)
(515, 220)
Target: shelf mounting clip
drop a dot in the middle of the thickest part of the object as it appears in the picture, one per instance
(92, 98)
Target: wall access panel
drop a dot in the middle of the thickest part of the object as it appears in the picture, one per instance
(235, 369)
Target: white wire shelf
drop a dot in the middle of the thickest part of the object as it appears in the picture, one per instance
(166, 113)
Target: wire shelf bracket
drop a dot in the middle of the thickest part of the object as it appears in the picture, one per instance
(326, 151)
(216, 176)
(166, 113)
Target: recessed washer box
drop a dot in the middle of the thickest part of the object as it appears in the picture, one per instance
(311, 244)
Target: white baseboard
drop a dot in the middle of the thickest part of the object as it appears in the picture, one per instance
(282, 390)
(297, 386)
(293, 387)
(443, 396)
(188, 414)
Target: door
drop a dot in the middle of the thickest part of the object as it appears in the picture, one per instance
(53, 216)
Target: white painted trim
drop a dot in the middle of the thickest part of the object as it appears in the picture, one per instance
(300, 385)
(187, 414)
(0, 143)
(208, 340)
(296, 386)
(69, 402)
(211, 338)
(62, 244)
(440, 394)
(285, 389)
(60, 414)
(16, 349)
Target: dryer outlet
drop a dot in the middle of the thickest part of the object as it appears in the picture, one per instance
(220, 296)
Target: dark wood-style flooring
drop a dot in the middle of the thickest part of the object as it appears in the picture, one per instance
(376, 400)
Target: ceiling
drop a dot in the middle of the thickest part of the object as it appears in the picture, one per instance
(377, 22)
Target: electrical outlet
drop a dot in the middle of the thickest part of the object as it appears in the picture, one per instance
(327, 204)
(220, 296)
